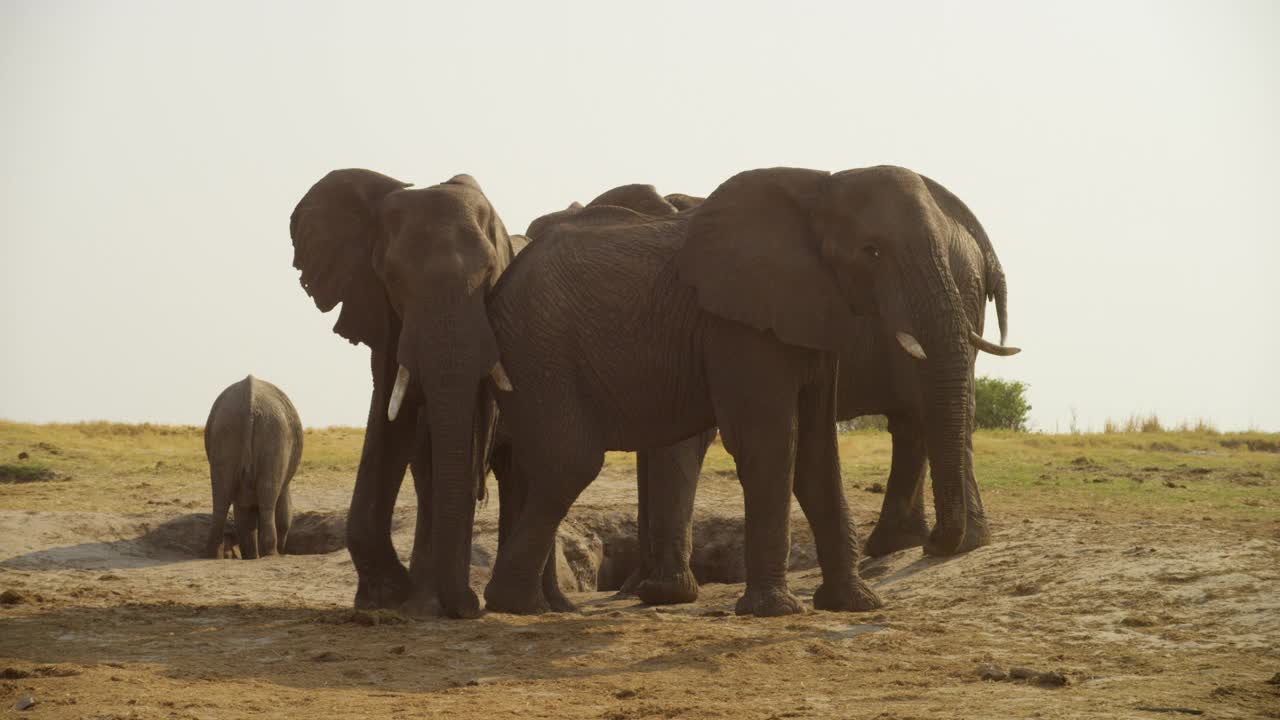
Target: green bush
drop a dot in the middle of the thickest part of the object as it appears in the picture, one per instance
(1001, 404)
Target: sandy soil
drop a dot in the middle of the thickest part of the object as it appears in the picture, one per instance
(109, 616)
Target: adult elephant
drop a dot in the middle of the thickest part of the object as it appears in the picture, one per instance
(644, 200)
(642, 331)
(875, 377)
(412, 269)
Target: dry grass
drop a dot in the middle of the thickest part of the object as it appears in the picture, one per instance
(1151, 423)
(1159, 474)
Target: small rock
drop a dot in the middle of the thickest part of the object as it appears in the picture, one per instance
(397, 650)
(1275, 679)
(875, 488)
(1022, 673)
(472, 683)
(12, 597)
(624, 694)
(1023, 589)
(987, 671)
(14, 674)
(24, 703)
(716, 613)
(23, 455)
(327, 656)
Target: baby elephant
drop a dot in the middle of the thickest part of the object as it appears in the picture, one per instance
(253, 440)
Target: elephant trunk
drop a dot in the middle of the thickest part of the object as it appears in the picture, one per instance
(452, 414)
(947, 393)
(448, 349)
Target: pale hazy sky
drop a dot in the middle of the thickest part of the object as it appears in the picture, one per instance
(1124, 157)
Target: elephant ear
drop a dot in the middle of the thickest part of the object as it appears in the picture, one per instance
(997, 287)
(334, 229)
(504, 244)
(753, 257)
(683, 202)
(644, 199)
(464, 179)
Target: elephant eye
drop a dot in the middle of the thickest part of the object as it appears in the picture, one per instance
(871, 250)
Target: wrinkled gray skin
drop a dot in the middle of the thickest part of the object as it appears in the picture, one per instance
(253, 441)
(623, 331)
(875, 377)
(412, 269)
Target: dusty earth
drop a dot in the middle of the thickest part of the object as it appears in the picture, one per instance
(110, 616)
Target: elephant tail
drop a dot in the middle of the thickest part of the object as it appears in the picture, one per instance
(1001, 294)
(246, 483)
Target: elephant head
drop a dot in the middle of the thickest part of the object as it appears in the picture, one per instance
(800, 253)
(411, 268)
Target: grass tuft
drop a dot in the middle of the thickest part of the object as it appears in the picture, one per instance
(24, 472)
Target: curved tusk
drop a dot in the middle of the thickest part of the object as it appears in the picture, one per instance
(499, 375)
(990, 347)
(911, 345)
(397, 393)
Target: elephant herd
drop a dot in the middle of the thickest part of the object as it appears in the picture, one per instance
(784, 301)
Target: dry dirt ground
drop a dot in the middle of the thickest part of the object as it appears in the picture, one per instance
(108, 615)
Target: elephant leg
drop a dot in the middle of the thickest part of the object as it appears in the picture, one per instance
(383, 580)
(268, 484)
(512, 496)
(284, 519)
(645, 567)
(423, 600)
(763, 446)
(672, 484)
(267, 537)
(520, 576)
(902, 522)
(215, 546)
(976, 531)
(819, 489)
(551, 592)
(246, 519)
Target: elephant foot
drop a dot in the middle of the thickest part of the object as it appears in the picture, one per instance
(945, 540)
(557, 602)
(770, 602)
(631, 586)
(383, 592)
(425, 602)
(858, 597)
(666, 588)
(462, 605)
(506, 598)
(891, 536)
(422, 604)
(976, 534)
